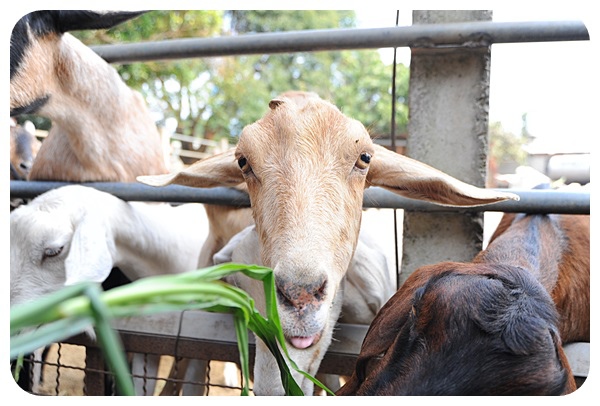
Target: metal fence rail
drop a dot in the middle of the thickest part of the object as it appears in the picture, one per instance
(532, 201)
(472, 34)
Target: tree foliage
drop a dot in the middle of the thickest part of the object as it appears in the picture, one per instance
(506, 146)
(216, 97)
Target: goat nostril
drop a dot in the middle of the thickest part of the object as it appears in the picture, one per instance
(321, 291)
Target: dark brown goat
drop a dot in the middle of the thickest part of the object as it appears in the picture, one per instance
(495, 326)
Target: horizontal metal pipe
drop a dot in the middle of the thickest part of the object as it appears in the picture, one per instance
(471, 35)
(532, 201)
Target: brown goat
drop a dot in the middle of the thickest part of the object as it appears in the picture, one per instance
(23, 149)
(101, 129)
(495, 326)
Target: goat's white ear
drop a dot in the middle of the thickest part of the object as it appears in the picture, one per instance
(225, 254)
(89, 257)
(416, 180)
(218, 170)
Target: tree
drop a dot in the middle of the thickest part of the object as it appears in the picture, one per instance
(506, 149)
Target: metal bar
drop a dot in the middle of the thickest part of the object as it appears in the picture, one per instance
(532, 201)
(472, 35)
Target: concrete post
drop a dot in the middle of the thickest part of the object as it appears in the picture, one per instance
(448, 129)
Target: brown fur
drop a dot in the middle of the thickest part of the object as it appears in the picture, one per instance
(101, 129)
(569, 281)
(544, 261)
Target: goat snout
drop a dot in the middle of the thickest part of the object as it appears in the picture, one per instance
(302, 309)
(300, 296)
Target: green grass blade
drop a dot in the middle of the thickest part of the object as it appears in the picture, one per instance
(46, 334)
(110, 343)
(44, 309)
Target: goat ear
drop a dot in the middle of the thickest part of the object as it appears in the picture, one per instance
(73, 20)
(89, 256)
(413, 179)
(217, 170)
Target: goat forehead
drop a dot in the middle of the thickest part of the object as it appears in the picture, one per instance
(40, 226)
(318, 129)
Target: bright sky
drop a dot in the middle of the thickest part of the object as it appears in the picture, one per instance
(549, 81)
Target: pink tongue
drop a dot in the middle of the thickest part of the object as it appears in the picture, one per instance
(302, 342)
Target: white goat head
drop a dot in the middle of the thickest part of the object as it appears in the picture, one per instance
(101, 129)
(48, 235)
(306, 166)
(77, 233)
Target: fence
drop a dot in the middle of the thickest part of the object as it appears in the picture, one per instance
(210, 336)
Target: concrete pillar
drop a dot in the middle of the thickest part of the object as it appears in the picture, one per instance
(448, 129)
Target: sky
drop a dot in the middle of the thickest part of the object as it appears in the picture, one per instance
(550, 81)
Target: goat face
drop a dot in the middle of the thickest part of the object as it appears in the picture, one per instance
(54, 243)
(306, 166)
(464, 329)
(34, 50)
(23, 149)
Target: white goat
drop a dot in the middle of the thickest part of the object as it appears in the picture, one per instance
(77, 233)
(306, 166)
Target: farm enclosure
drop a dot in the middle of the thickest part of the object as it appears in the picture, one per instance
(468, 226)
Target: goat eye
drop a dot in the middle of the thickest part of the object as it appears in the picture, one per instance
(51, 252)
(363, 161)
(244, 165)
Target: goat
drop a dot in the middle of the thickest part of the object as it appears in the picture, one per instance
(101, 129)
(99, 133)
(23, 149)
(367, 285)
(306, 166)
(495, 326)
(76, 233)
